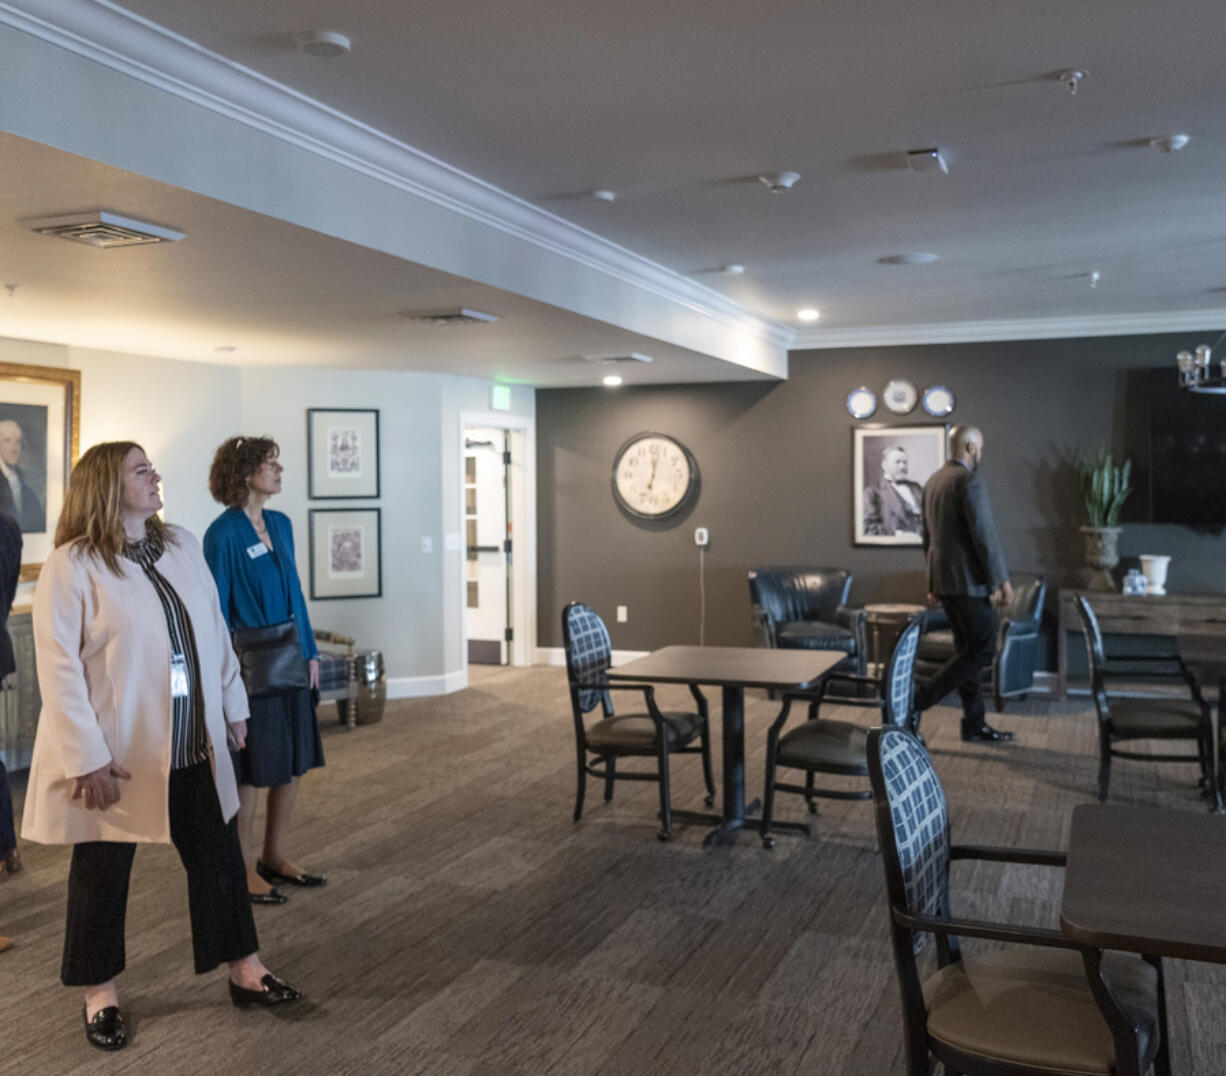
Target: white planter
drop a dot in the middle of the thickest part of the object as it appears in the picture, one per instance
(1155, 569)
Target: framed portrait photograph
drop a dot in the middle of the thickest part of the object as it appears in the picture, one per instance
(346, 558)
(40, 429)
(890, 465)
(342, 453)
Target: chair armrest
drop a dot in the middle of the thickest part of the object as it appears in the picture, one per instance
(766, 624)
(334, 637)
(1037, 856)
(934, 619)
(849, 617)
(1014, 628)
(980, 928)
(854, 678)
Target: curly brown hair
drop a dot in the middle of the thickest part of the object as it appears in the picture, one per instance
(235, 461)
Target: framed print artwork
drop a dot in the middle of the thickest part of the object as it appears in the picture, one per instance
(40, 430)
(342, 454)
(890, 465)
(346, 558)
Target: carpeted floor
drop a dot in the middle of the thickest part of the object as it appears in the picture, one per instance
(469, 928)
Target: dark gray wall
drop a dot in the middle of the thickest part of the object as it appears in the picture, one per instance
(775, 461)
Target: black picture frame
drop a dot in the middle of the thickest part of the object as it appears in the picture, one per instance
(343, 454)
(346, 553)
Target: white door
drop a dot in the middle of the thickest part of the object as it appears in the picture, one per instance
(487, 565)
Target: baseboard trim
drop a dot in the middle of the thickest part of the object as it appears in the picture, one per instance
(416, 687)
(556, 655)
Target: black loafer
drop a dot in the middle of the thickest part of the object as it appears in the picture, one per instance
(106, 1030)
(985, 734)
(272, 992)
(273, 896)
(270, 875)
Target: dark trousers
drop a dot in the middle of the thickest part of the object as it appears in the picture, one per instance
(223, 928)
(973, 622)
(8, 837)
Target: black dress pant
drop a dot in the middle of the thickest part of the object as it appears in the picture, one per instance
(8, 838)
(973, 622)
(223, 928)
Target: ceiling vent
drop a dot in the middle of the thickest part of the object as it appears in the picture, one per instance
(461, 316)
(102, 228)
(613, 360)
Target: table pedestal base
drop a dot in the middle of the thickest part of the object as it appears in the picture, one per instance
(730, 828)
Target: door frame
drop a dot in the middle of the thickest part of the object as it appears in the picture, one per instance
(523, 536)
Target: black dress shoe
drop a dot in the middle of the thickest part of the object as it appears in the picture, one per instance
(984, 733)
(106, 1030)
(272, 992)
(270, 875)
(273, 896)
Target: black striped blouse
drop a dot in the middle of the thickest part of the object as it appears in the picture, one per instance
(189, 736)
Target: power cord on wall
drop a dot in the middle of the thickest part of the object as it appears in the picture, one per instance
(702, 595)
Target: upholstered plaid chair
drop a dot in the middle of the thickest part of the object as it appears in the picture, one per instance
(653, 734)
(1120, 720)
(1044, 1005)
(819, 745)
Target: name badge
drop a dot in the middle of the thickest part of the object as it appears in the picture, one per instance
(257, 550)
(178, 676)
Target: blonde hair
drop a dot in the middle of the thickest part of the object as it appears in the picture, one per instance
(92, 516)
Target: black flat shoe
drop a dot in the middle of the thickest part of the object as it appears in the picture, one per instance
(106, 1030)
(272, 992)
(273, 896)
(269, 875)
(985, 734)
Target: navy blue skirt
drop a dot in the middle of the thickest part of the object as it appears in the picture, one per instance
(283, 741)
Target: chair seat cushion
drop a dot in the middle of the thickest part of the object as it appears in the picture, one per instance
(1033, 1006)
(936, 646)
(837, 745)
(333, 671)
(1177, 718)
(637, 732)
(814, 635)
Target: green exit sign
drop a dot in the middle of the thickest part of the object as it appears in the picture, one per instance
(500, 397)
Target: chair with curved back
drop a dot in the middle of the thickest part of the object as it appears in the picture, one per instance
(1121, 720)
(1040, 1006)
(653, 734)
(806, 609)
(821, 745)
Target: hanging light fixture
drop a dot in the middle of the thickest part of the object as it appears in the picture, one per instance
(1196, 372)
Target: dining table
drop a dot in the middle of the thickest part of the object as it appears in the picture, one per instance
(732, 669)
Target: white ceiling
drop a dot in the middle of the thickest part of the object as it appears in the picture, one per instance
(677, 106)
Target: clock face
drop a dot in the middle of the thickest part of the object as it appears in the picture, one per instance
(653, 475)
(900, 396)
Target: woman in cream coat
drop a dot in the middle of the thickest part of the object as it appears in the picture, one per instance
(138, 682)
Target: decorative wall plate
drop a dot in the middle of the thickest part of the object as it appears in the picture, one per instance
(900, 396)
(861, 403)
(938, 401)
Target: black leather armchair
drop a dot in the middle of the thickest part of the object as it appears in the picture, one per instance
(1011, 673)
(806, 609)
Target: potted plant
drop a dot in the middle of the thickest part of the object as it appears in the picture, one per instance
(1104, 489)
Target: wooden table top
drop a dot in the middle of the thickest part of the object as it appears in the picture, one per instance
(1147, 880)
(746, 666)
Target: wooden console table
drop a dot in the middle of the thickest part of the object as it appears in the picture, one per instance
(1120, 614)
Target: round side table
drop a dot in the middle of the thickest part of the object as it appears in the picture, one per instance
(884, 623)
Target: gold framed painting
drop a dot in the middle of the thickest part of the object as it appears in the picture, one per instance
(40, 435)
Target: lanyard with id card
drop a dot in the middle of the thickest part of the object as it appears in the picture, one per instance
(178, 677)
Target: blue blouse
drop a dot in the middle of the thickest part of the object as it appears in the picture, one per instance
(260, 589)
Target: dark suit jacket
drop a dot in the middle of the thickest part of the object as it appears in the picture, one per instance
(32, 519)
(886, 512)
(961, 549)
(10, 569)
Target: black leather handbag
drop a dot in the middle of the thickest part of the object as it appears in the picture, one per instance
(270, 659)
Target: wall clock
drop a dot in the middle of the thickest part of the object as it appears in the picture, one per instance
(900, 396)
(654, 476)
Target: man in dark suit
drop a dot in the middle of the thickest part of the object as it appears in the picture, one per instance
(893, 505)
(17, 497)
(967, 575)
(10, 569)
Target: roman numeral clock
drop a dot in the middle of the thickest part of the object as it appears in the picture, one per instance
(654, 476)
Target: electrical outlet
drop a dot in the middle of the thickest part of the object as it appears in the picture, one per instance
(702, 536)
(427, 544)
(622, 614)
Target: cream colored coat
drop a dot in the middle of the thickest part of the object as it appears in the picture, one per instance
(103, 653)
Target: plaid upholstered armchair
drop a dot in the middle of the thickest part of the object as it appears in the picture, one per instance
(1040, 1006)
(650, 734)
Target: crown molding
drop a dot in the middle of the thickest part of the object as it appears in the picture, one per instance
(104, 33)
(971, 332)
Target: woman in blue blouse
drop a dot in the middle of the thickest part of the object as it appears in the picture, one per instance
(250, 550)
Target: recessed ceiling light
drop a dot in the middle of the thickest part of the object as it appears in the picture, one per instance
(808, 314)
(1170, 143)
(225, 349)
(927, 162)
(601, 195)
(917, 257)
(778, 182)
(324, 44)
(612, 380)
(732, 270)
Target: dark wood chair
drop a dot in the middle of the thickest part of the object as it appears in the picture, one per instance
(821, 745)
(1124, 720)
(651, 734)
(1043, 1005)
